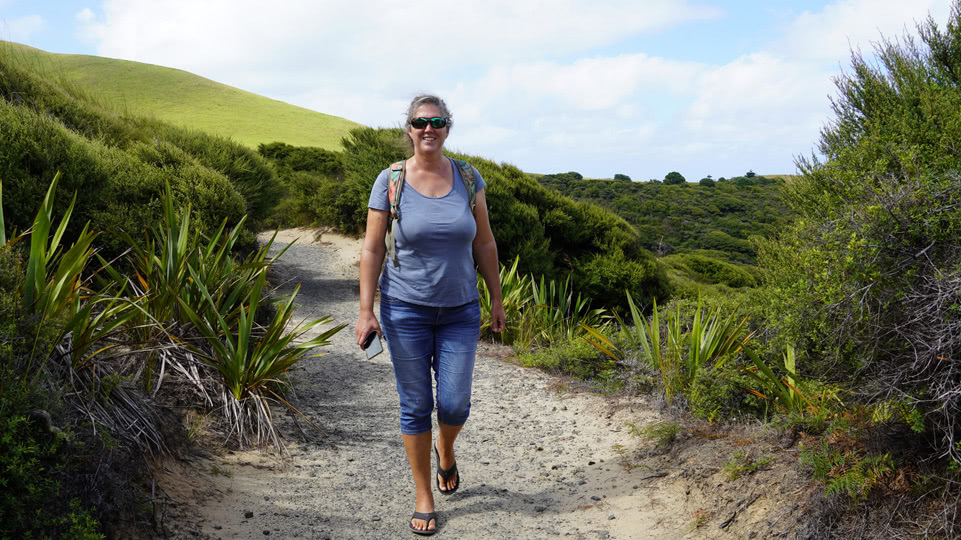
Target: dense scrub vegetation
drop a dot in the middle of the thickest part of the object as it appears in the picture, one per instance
(116, 164)
(181, 322)
(852, 337)
(673, 216)
(868, 281)
(194, 334)
(549, 233)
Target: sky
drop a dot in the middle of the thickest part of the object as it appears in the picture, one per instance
(636, 87)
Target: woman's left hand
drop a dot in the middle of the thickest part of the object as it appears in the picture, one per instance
(498, 317)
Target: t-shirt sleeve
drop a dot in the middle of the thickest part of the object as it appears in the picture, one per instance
(378, 193)
(479, 182)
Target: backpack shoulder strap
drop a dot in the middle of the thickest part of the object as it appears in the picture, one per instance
(467, 175)
(395, 185)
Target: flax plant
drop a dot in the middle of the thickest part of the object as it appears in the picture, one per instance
(253, 360)
(557, 314)
(178, 265)
(645, 336)
(53, 281)
(53, 275)
(160, 277)
(712, 339)
(670, 363)
(709, 342)
(784, 392)
(515, 294)
(92, 321)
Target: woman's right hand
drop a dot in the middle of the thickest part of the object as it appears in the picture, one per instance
(366, 323)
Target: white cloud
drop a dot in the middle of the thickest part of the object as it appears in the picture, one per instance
(601, 83)
(21, 29)
(831, 33)
(757, 95)
(85, 15)
(366, 35)
(549, 86)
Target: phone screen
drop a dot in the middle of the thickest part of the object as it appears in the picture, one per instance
(372, 345)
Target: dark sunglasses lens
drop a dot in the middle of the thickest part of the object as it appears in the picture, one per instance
(438, 123)
(418, 123)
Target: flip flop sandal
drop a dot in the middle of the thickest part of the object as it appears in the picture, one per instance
(446, 475)
(426, 516)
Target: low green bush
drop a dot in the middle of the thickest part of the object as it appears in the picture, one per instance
(712, 271)
(303, 158)
(575, 357)
(32, 460)
(718, 394)
(117, 190)
(246, 171)
(605, 277)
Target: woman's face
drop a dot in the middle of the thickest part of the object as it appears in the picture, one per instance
(428, 139)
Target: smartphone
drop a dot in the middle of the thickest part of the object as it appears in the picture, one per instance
(372, 345)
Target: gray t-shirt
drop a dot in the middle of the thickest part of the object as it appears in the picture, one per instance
(434, 244)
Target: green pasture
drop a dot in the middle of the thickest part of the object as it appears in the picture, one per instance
(189, 100)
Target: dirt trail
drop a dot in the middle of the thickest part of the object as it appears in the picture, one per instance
(538, 459)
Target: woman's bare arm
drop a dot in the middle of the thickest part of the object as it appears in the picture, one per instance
(485, 254)
(371, 261)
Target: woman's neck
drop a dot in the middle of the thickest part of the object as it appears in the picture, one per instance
(432, 161)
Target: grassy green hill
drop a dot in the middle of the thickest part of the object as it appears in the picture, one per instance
(192, 101)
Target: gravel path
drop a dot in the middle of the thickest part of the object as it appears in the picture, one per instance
(538, 459)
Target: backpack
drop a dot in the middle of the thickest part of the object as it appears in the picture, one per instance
(395, 186)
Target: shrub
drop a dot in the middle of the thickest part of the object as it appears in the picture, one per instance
(668, 219)
(247, 171)
(721, 241)
(869, 279)
(116, 189)
(33, 501)
(710, 270)
(604, 278)
(674, 178)
(574, 357)
(304, 158)
(718, 393)
(32, 460)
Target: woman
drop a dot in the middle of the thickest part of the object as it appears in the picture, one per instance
(429, 300)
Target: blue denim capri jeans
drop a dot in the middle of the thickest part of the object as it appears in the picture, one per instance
(425, 338)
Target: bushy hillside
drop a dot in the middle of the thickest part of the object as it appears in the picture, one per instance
(188, 100)
(713, 215)
(115, 163)
(552, 234)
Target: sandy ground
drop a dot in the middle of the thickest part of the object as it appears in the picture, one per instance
(538, 458)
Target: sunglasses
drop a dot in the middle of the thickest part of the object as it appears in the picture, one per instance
(420, 123)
